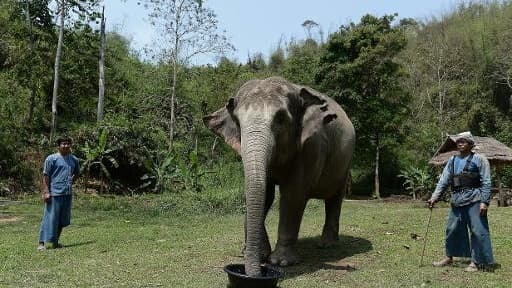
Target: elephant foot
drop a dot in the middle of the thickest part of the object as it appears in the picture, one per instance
(328, 241)
(284, 256)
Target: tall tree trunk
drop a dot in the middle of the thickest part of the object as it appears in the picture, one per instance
(441, 95)
(32, 80)
(57, 68)
(174, 81)
(173, 95)
(101, 84)
(510, 104)
(501, 194)
(376, 192)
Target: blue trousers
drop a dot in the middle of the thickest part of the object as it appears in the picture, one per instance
(57, 214)
(475, 244)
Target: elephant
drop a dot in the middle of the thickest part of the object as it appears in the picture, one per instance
(294, 137)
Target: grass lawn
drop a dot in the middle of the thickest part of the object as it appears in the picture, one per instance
(140, 242)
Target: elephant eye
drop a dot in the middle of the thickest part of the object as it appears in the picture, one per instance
(281, 117)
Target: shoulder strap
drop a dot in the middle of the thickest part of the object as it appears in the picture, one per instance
(466, 167)
(453, 165)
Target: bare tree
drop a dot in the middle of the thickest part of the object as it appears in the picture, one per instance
(188, 29)
(62, 15)
(437, 67)
(101, 84)
(503, 71)
(85, 10)
(308, 25)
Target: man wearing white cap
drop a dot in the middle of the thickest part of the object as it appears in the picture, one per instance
(469, 176)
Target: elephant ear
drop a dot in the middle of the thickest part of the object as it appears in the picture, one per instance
(310, 97)
(316, 114)
(221, 123)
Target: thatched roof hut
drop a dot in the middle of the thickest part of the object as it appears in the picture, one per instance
(496, 152)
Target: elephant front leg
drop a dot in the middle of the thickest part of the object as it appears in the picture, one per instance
(290, 217)
(330, 232)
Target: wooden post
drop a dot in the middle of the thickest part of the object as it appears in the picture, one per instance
(501, 198)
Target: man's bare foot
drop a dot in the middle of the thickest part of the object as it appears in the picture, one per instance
(447, 261)
(471, 268)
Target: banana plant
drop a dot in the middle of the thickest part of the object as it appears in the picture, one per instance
(417, 181)
(96, 156)
(191, 172)
(161, 173)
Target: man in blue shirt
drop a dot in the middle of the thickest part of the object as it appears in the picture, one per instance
(469, 176)
(59, 172)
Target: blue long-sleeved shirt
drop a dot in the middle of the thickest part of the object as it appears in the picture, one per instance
(466, 196)
(61, 169)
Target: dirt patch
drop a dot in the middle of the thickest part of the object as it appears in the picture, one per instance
(8, 219)
(341, 265)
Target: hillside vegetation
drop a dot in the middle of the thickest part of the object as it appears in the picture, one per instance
(405, 84)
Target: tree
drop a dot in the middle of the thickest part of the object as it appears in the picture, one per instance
(96, 156)
(308, 26)
(503, 62)
(188, 29)
(443, 67)
(31, 47)
(359, 70)
(85, 12)
(101, 64)
(62, 13)
(25, 50)
(302, 61)
(276, 60)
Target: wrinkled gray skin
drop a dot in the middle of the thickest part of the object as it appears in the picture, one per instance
(294, 137)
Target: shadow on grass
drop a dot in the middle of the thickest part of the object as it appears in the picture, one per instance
(79, 244)
(464, 262)
(314, 258)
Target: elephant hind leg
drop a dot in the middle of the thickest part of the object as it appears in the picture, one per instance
(330, 232)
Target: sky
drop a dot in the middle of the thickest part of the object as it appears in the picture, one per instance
(257, 26)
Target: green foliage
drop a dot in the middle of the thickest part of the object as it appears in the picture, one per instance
(99, 156)
(277, 60)
(161, 174)
(191, 173)
(417, 181)
(404, 84)
(302, 62)
(12, 165)
(358, 68)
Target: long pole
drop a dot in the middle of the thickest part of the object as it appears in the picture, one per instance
(425, 238)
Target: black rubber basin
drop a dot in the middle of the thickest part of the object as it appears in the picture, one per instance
(238, 278)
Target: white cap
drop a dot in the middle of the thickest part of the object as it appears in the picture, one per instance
(466, 136)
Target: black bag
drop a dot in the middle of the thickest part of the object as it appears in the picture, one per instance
(465, 179)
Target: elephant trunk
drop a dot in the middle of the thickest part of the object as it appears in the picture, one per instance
(257, 142)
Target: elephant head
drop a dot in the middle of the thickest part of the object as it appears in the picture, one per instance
(267, 122)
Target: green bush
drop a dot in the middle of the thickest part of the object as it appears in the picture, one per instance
(417, 181)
